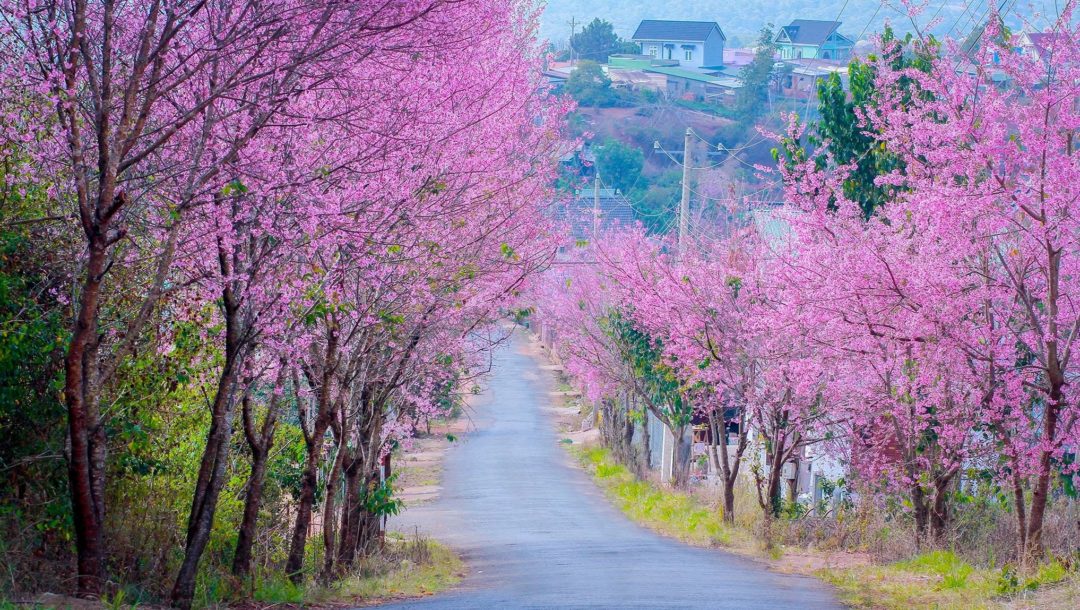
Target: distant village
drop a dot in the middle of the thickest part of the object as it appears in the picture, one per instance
(690, 60)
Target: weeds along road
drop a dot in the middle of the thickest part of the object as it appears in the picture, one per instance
(537, 533)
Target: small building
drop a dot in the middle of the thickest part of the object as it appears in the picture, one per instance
(798, 78)
(1039, 45)
(591, 212)
(694, 44)
(811, 38)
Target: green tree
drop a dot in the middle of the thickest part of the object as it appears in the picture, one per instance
(655, 206)
(597, 40)
(657, 383)
(589, 86)
(35, 516)
(841, 123)
(620, 165)
(756, 77)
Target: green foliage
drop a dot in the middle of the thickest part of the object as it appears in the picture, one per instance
(655, 208)
(35, 513)
(645, 356)
(756, 77)
(597, 40)
(620, 165)
(589, 86)
(841, 123)
(954, 572)
(379, 498)
(277, 590)
(1010, 581)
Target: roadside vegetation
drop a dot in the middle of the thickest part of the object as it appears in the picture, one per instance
(930, 579)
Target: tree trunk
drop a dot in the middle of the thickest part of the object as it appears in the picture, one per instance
(350, 512)
(646, 442)
(86, 463)
(1021, 515)
(922, 514)
(793, 486)
(939, 512)
(309, 480)
(260, 445)
(729, 468)
(330, 510)
(1040, 494)
(211, 479)
(245, 539)
(681, 470)
(212, 468)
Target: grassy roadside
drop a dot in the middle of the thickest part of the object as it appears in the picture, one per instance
(937, 579)
(408, 567)
(422, 568)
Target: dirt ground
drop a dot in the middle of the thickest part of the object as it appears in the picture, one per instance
(420, 465)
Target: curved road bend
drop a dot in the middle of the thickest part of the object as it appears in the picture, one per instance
(537, 533)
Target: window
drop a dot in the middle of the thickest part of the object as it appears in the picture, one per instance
(688, 54)
(652, 50)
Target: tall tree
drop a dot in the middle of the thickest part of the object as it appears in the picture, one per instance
(597, 40)
(752, 98)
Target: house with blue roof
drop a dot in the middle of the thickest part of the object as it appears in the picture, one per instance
(694, 44)
(813, 39)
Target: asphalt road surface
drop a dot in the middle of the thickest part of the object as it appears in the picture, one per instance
(537, 533)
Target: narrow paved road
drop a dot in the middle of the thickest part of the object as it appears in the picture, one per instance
(537, 533)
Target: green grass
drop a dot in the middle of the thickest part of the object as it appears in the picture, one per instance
(439, 569)
(408, 567)
(668, 512)
(936, 579)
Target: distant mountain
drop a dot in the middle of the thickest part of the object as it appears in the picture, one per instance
(742, 19)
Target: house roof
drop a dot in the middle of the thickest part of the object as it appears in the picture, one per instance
(614, 211)
(689, 31)
(683, 73)
(808, 31)
(1044, 41)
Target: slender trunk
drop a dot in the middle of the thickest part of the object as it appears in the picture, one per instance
(211, 479)
(260, 445)
(350, 515)
(313, 441)
(729, 467)
(245, 539)
(369, 526)
(1055, 378)
(212, 468)
(330, 510)
(309, 480)
(646, 441)
(1021, 514)
(1041, 490)
(773, 491)
(939, 512)
(771, 502)
(681, 468)
(922, 514)
(86, 467)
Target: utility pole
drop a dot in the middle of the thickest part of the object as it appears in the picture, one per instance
(684, 205)
(596, 207)
(573, 27)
